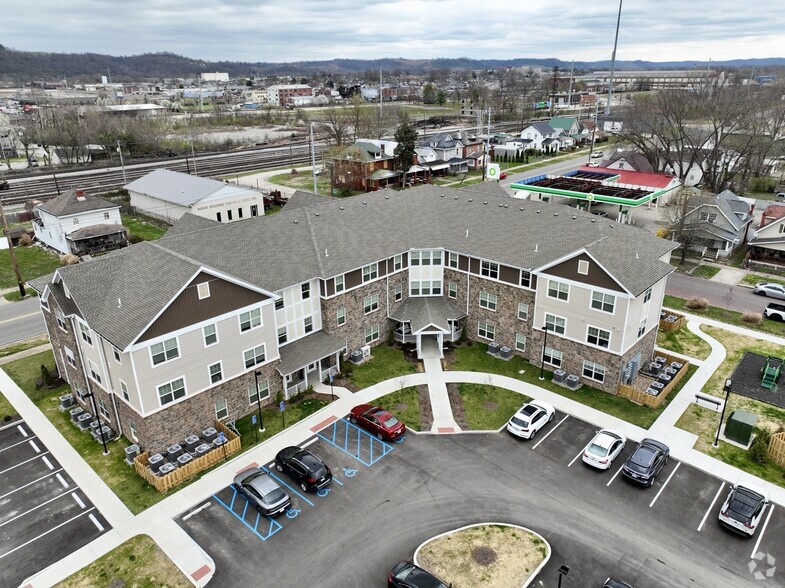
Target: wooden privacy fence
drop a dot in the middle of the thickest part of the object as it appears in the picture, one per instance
(777, 449)
(666, 325)
(178, 476)
(640, 397)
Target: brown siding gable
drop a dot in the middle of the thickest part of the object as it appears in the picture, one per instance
(597, 276)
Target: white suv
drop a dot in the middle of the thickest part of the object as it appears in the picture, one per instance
(744, 508)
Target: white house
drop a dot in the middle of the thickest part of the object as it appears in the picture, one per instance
(542, 136)
(76, 222)
(168, 195)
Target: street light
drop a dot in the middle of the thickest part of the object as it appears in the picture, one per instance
(256, 375)
(563, 571)
(91, 396)
(728, 384)
(542, 359)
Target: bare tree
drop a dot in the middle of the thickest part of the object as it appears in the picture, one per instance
(687, 225)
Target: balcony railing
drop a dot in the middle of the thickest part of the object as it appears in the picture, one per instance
(408, 338)
(454, 336)
(294, 388)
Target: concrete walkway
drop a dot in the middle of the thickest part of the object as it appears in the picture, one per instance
(729, 275)
(159, 520)
(443, 419)
(25, 353)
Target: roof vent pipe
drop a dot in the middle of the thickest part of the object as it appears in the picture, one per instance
(467, 233)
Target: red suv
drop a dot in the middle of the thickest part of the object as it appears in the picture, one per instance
(377, 421)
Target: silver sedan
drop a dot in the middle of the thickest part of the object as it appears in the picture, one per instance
(771, 289)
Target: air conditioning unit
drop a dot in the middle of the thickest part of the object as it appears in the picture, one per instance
(654, 368)
(166, 468)
(76, 413)
(94, 425)
(218, 441)
(202, 449)
(155, 462)
(107, 432)
(184, 459)
(653, 392)
(677, 365)
(664, 378)
(84, 420)
(366, 349)
(572, 381)
(209, 435)
(356, 356)
(558, 376)
(66, 401)
(130, 454)
(493, 348)
(657, 385)
(505, 352)
(174, 451)
(192, 442)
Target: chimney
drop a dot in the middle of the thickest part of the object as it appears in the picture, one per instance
(80, 195)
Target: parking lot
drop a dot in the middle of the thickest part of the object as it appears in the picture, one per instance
(387, 498)
(44, 516)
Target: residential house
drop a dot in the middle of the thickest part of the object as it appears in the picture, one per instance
(717, 224)
(570, 126)
(543, 137)
(451, 152)
(79, 223)
(168, 195)
(365, 166)
(768, 240)
(282, 95)
(206, 323)
(628, 160)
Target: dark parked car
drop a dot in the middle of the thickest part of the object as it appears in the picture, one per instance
(262, 491)
(377, 421)
(614, 583)
(646, 462)
(303, 467)
(4, 185)
(407, 575)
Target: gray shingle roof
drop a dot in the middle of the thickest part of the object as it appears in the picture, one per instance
(307, 350)
(424, 311)
(175, 187)
(303, 199)
(67, 203)
(189, 223)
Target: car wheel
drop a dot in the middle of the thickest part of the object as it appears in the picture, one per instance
(353, 420)
(304, 487)
(550, 418)
(534, 432)
(379, 437)
(279, 467)
(761, 293)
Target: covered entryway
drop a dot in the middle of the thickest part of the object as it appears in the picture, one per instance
(309, 360)
(427, 320)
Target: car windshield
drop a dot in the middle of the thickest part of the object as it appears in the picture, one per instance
(599, 450)
(743, 504)
(520, 422)
(274, 496)
(390, 422)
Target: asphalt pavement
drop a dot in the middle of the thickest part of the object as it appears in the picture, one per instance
(736, 298)
(20, 320)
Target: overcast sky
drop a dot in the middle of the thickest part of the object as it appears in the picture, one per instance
(296, 30)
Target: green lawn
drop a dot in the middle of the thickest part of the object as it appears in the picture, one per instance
(386, 362)
(303, 181)
(685, 342)
(706, 271)
(15, 296)
(405, 405)
(33, 262)
(752, 279)
(142, 228)
(297, 409)
(6, 410)
(22, 346)
(475, 359)
(138, 562)
(487, 408)
(726, 316)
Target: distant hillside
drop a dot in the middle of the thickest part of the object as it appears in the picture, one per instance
(19, 67)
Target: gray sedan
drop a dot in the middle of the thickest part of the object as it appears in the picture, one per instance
(770, 289)
(258, 487)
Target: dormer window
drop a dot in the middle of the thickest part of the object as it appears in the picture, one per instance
(204, 290)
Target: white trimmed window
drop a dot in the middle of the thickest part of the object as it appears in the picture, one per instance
(132, 430)
(164, 351)
(282, 335)
(372, 333)
(94, 373)
(254, 356)
(340, 284)
(279, 303)
(308, 324)
(86, 334)
(558, 290)
(124, 391)
(486, 330)
(210, 335)
(452, 290)
(526, 279)
(397, 262)
(305, 290)
(489, 269)
(261, 393)
(398, 292)
(642, 328)
(370, 272)
(171, 391)
(552, 356)
(60, 320)
(647, 294)
(555, 324)
(340, 315)
(603, 302)
(250, 320)
(371, 303)
(593, 371)
(452, 260)
(598, 337)
(102, 408)
(523, 311)
(425, 287)
(116, 354)
(45, 304)
(216, 373)
(221, 409)
(488, 300)
(436, 257)
(583, 267)
(69, 356)
(520, 342)
(203, 290)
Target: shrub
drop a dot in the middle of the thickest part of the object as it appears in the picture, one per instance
(68, 259)
(25, 240)
(759, 450)
(697, 304)
(752, 318)
(46, 377)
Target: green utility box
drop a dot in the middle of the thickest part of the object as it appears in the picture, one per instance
(739, 426)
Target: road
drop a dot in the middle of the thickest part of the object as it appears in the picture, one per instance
(735, 298)
(20, 320)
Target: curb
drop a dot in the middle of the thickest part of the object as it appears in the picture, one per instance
(532, 576)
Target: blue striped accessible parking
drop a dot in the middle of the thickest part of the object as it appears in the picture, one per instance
(354, 441)
(262, 526)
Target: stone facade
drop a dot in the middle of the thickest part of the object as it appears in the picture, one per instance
(74, 375)
(353, 330)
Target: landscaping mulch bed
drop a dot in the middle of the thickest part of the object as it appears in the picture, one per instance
(457, 407)
(426, 411)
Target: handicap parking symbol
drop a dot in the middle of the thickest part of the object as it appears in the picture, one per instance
(322, 491)
(400, 439)
(292, 513)
(349, 472)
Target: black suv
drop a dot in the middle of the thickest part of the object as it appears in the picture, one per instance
(4, 185)
(303, 467)
(407, 575)
(646, 462)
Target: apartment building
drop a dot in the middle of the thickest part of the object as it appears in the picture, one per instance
(283, 95)
(172, 334)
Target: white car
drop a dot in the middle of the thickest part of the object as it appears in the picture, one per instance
(593, 164)
(603, 449)
(530, 418)
(744, 508)
(597, 155)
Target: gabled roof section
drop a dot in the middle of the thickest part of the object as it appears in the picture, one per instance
(304, 199)
(543, 128)
(772, 214)
(75, 201)
(637, 161)
(425, 313)
(174, 187)
(562, 122)
(189, 223)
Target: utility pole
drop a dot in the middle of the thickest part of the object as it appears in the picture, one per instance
(380, 99)
(569, 91)
(487, 148)
(122, 163)
(613, 62)
(20, 282)
(313, 162)
(554, 87)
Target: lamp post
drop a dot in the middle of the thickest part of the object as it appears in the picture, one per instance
(542, 359)
(256, 375)
(91, 396)
(728, 384)
(563, 571)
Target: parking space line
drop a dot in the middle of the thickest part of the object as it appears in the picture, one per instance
(544, 437)
(576, 457)
(28, 461)
(61, 480)
(311, 442)
(30, 484)
(665, 484)
(47, 462)
(614, 475)
(280, 481)
(34, 446)
(78, 500)
(711, 506)
(52, 530)
(762, 531)
(275, 526)
(362, 435)
(15, 444)
(98, 525)
(36, 507)
(196, 511)
(337, 481)
(21, 430)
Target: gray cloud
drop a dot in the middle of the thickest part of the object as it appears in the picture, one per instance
(275, 30)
